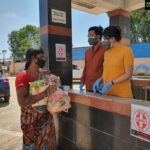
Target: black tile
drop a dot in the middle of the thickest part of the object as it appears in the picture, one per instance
(83, 115)
(66, 127)
(141, 148)
(125, 126)
(90, 139)
(79, 113)
(102, 120)
(143, 144)
(118, 144)
(112, 123)
(63, 69)
(106, 121)
(82, 136)
(65, 144)
(100, 141)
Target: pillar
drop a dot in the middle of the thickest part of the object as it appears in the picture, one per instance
(120, 17)
(56, 40)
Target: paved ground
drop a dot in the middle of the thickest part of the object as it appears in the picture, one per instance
(10, 133)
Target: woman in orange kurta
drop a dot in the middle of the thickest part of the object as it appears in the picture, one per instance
(117, 66)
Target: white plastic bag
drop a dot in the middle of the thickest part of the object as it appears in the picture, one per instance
(58, 101)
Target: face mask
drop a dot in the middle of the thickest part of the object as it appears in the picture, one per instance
(40, 62)
(106, 44)
(92, 40)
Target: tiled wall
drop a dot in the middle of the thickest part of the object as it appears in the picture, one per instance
(86, 128)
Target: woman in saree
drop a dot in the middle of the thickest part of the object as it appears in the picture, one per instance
(37, 125)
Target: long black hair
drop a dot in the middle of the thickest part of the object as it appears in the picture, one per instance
(113, 31)
(30, 53)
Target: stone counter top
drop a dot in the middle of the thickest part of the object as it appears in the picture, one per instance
(109, 103)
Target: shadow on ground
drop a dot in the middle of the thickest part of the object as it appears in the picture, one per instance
(2, 103)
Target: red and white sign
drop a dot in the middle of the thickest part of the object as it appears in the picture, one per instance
(60, 52)
(140, 122)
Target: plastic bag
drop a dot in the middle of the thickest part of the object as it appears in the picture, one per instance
(37, 87)
(52, 79)
(58, 101)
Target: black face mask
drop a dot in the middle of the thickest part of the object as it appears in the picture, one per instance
(40, 62)
(92, 40)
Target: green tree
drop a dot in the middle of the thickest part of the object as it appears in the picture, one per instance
(19, 41)
(140, 26)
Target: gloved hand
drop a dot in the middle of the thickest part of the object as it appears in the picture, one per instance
(81, 86)
(105, 88)
(100, 87)
(96, 85)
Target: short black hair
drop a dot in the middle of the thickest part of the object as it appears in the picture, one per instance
(113, 31)
(97, 29)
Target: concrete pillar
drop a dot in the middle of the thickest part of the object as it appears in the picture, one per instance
(120, 17)
(56, 38)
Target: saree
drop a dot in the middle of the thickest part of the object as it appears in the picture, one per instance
(38, 130)
(36, 122)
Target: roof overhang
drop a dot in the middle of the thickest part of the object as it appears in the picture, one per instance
(101, 6)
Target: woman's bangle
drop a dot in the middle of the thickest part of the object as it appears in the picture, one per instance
(112, 82)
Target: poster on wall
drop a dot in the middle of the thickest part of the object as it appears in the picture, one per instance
(140, 122)
(60, 52)
(58, 16)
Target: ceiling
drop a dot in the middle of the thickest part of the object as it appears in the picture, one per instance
(101, 6)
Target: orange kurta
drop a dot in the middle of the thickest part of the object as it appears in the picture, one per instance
(115, 60)
(93, 66)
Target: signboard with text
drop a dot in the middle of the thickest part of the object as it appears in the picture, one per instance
(58, 16)
(140, 122)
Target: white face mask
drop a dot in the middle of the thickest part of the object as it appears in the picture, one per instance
(106, 44)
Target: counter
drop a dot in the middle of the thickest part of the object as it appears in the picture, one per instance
(97, 122)
(141, 88)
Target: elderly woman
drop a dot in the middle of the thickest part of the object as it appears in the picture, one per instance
(38, 128)
(117, 66)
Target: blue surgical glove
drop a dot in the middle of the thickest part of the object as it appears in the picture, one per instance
(100, 87)
(81, 86)
(96, 85)
(105, 88)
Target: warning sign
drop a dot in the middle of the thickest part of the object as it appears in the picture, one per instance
(60, 52)
(140, 122)
(58, 16)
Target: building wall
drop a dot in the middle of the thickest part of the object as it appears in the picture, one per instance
(14, 67)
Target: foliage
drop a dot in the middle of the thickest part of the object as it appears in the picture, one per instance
(140, 26)
(19, 41)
